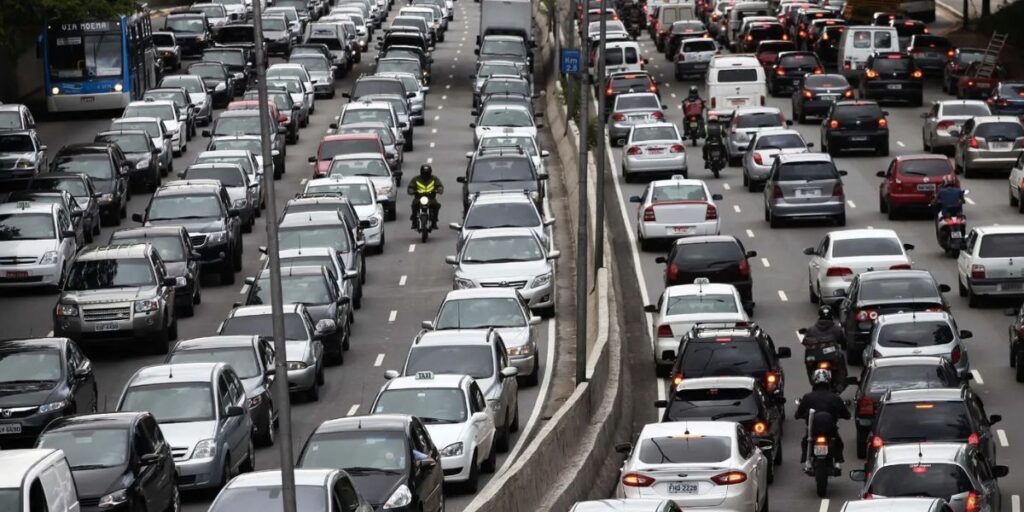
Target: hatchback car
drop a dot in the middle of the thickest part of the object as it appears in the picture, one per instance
(720, 258)
(789, 70)
(498, 209)
(693, 57)
(624, 83)
(501, 169)
(988, 143)
(804, 185)
(220, 84)
(632, 109)
(200, 408)
(892, 76)
(683, 306)
(65, 200)
(855, 124)
(107, 167)
(973, 82)
(197, 95)
(674, 208)
(947, 116)
(766, 145)
(910, 182)
(927, 333)
(168, 113)
(817, 93)
(767, 52)
(81, 189)
(242, 192)
(363, 196)
(745, 122)
(326, 490)
(250, 164)
(841, 255)
(138, 148)
(957, 64)
(930, 52)
(652, 149)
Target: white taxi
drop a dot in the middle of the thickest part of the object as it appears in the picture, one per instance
(675, 208)
(505, 119)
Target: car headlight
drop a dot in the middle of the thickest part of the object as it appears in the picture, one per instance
(53, 406)
(147, 305)
(402, 497)
(521, 350)
(452, 450)
(238, 203)
(461, 283)
(205, 449)
(107, 198)
(255, 401)
(220, 87)
(374, 221)
(385, 190)
(142, 164)
(297, 365)
(534, 195)
(216, 237)
(67, 310)
(542, 280)
(24, 164)
(49, 258)
(114, 499)
(742, 137)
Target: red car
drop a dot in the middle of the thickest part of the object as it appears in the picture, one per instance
(911, 180)
(970, 87)
(343, 144)
(768, 51)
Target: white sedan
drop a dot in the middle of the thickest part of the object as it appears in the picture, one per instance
(697, 464)
(841, 255)
(684, 305)
(675, 208)
(507, 120)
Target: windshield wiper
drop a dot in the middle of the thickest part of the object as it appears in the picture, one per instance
(907, 343)
(182, 217)
(728, 415)
(90, 466)
(502, 260)
(367, 469)
(425, 419)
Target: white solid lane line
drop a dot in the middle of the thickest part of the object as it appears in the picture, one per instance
(977, 377)
(538, 405)
(353, 410)
(1015, 503)
(379, 360)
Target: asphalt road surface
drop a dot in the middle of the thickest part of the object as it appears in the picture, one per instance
(405, 285)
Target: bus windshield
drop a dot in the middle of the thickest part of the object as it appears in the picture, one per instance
(81, 56)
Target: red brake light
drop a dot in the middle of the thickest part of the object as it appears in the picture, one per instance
(945, 125)
(711, 213)
(757, 159)
(973, 439)
(649, 214)
(771, 381)
(848, 93)
(919, 469)
(818, 70)
(730, 478)
(677, 148)
(634, 150)
(637, 480)
(870, 73)
(609, 91)
(838, 272)
(865, 315)
(808, 94)
(955, 355)
(714, 101)
(676, 379)
(653, 88)
(977, 271)
(917, 74)
(777, 192)
(672, 273)
(973, 143)
(780, 71)
(876, 442)
(883, 123)
(972, 503)
(865, 407)
(665, 331)
(744, 268)
(658, 115)
(833, 124)
(759, 427)
(837, 190)
(618, 117)
(901, 266)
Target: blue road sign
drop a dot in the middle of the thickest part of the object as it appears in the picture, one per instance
(571, 61)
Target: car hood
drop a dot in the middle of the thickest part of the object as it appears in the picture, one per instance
(103, 186)
(26, 248)
(514, 336)
(176, 268)
(212, 82)
(377, 487)
(319, 76)
(107, 295)
(96, 483)
(492, 271)
(444, 434)
(26, 395)
(253, 385)
(9, 159)
(480, 186)
(235, 193)
(365, 211)
(297, 350)
(274, 35)
(187, 434)
(321, 311)
(193, 226)
(138, 157)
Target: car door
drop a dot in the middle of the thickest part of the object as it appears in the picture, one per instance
(166, 292)
(751, 459)
(884, 186)
(68, 245)
(966, 257)
(243, 426)
(986, 479)
(345, 497)
(484, 430)
(83, 388)
(931, 118)
(164, 482)
(227, 426)
(428, 477)
(147, 476)
(509, 386)
(982, 425)
(818, 264)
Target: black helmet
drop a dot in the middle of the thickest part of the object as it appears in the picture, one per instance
(426, 170)
(693, 90)
(825, 313)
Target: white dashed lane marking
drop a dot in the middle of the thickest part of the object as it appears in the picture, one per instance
(726, 186)
(412, 247)
(402, 280)
(977, 377)
(851, 204)
(379, 360)
(969, 200)
(764, 261)
(901, 144)
(824, 506)
(1002, 438)
(750, 233)
(244, 290)
(783, 297)
(353, 410)
(736, 208)
(392, 316)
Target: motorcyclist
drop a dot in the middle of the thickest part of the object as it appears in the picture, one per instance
(824, 334)
(828, 410)
(429, 186)
(825, 329)
(693, 106)
(949, 199)
(713, 138)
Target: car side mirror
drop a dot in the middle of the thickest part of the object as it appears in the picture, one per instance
(965, 334)
(167, 136)
(858, 475)
(451, 260)
(650, 308)
(908, 247)
(427, 324)
(250, 281)
(403, 125)
(925, 115)
(660, 259)
(509, 372)
(995, 418)
(716, 197)
(455, 226)
(540, 126)
(810, 145)
(181, 174)
(880, 174)
(843, 173)
(149, 459)
(1000, 471)
(535, 320)
(170, 281)
(233, 410)
(554, 255)
(625, 448)
(954, 133)
(83, 371)
(784, 353)
(391, 374)
(840, 292)
(474, 112)
(802, 330)
(751, 254)
(233, 212)
(68, 234)
(326, 327)
(343, 300)
(636, 199)
(810, 251)
(544, 153)
(852, 381)
(311, 159)
(472, 125)
(748, 307)
(944, 288)
(460, 179)
(196, 255)
(549, 222)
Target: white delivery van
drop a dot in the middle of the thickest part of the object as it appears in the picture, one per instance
(622, 56)
(37, 480)
(735, 81)
(859, 42)
(741, 11)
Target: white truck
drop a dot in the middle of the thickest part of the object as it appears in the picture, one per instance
(506, 17)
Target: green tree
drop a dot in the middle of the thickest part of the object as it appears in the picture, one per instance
(21, 20)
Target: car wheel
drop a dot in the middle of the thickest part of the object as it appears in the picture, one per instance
(313, 393)
(1020, 206)
(883, 150)
(1019, 373)
(490, 465)
(883, 207)
(960, 287)
(188, 309)
(841, 219)
(770, 478)
(225, 472)
(227, 273)
(862, 443)
(266, 435)
(645, 244)
(175, 504)
(773, 221)
(1013, 200)
(501, 437)
(337, 356)
(88, 236)
(811, 295)
(752, 185)
(172, 331)
(236, 256)
(159, 343)
(548, 312)
(973, 300)
(471, 485)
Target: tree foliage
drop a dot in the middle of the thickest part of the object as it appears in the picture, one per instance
(21, 20)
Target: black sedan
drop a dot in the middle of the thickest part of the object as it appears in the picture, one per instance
(817, 93)
(219, 83)
(81, 189)
(120, 461)
(855, 124)
(1007, 99)
(789, 70)
(892, 76)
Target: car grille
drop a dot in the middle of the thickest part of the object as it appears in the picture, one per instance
(17, 412)
(198, 240)
(518, 285)
(106, 314)
(17, 260)
(88, 502)
(179, 453)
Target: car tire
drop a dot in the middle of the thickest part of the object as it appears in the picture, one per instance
(769, 478)
(1013, 200)
(854, 357)
(813, 297)
(645, 244)
(862, 444)
(1020, 206)
(88, 236)
(491, 463)
(236, 257)
(471, 485)
(501, 437)
(883, 207)
(188, 309)
(227, 273)
(773, 221)
(1019, 373)
(973, 300)
(883, 150)
(225, 471)
(547, 312)
(159, 343)
(336, 358)
(172, 331)
(266, 435)
(408, 145)
(841, 219)
(175, 505)
(752, 186)
(961, 289)
(313, 393)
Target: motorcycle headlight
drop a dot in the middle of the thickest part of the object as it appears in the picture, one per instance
(297, 365)
(402, 497)
(205, 449)
(542, 280)
(53, 406)
(217, 237)
(521, 350)
(142, 164)
(452, 450)
(67, 310)
(238, 203)
(114, 499)
(424, 201)
(220, 87)
(147, 305)
(49, 258)
(461, 284)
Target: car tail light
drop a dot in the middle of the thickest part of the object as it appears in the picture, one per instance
(917, 74)
(757, 159)
(744, 268)
(680, 58)
(634, 150)
(637, 480)
(945, 125)
(833, 124)
(672, 273)
(649, 214)
(780, 71)
(714, 16)
(1020, 331)
(711, 213)
(808, 94)
(876, 442)
(658, 115)
(759, 428)
(818, 70)
(847, 65)
(803, 34)
(837, 190)
(677, 148)
(973, 502)
(762, 100)
(870, 73)
(771, 381)
(677, 378)
(714, 101)
(866, 315)
(973, 439)
(973, 143)
(733, 477)
(950, 54)
(865, 407)
(777, 192)
(955, 355)
(838, 272)
(750, 38)
(609, 91)
(618, 117)
(901, 266)
(848, 93)
(977, 271)
(883, 123)
(665, 331)
(970, 83)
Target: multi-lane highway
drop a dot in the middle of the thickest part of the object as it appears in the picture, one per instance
(404, 285)
(780, 278)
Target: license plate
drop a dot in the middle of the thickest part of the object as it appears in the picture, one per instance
(682, 488)
(821, 450)
(702, 65)
(1000, 145)
(652, 151)
(16, 274)
(808, 192)
(828, 97)
(859, 139)
(681, 230)
(926, 187)
(10, 428)
(107, 327)
(87, 99)
(828, 350)
(740, 101)
(894, 87)
(1011, 286)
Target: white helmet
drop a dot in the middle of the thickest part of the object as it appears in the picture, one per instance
(821, 376)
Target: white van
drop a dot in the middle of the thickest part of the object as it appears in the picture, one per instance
(859, 42)
(743, 10)
(38, 480)
(735, 81)
(669, 14)
(622, 56)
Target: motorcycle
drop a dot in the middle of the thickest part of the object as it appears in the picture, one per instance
(821, 459)
(423, 218)
(950, 231)
(825, 355)
(716, 158)
(693, 128)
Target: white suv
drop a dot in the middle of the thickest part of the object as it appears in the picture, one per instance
(986, 263)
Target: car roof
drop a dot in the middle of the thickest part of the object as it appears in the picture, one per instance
(912, 317)
(308, 251)
(178, 372)
(224, 152)
(369, 422)
(162, 103)
(27, 207)
(116, 132)
(344, 180)
(927, 395)
(482, 293)
(996, 230)
(31, 343)
(704, 239)
(351, 136)
(272, 477)
(114, 252)
(996, 119)
(677, 179)
(358, 156)
(190, 186)
(680, 290)
(804, 157)
(311, 218)
(849, 234)
(295, 270)
(449, 337)
(695, 428)
(755, 110)
(95, 421)
(138, 119)
(894, 274)
(717, 383)
(208, 342)
(438, 380)
(915, 453)
(501, 197)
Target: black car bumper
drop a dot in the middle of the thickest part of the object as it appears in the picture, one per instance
(785, 83)
(214, 254)
(851, 139)
(892, 90)
(816, 106)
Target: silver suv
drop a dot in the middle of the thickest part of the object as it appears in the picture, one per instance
(115, 293)
(201, 410)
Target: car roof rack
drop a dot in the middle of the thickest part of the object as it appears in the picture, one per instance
(501, 149)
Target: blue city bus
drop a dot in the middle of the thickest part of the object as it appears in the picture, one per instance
(98, 65)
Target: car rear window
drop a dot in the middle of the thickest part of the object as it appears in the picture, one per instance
(646, 101)
(766, 32)
(861, 111)
(999, 132)
(758, 120)
(776, 47)
(706, 45)
(967, 57)
(368, 87)
(737, 75)
(930, 43)
(800, 61)
(713, 404)
(646, 133)
(681, 27)
(614, 56)
(908, 422)
(679, 193)
(806, 171)
(892, 65)
(910, 28)
(965, 109)
(332, 148)
(701, 304)
(866, 247)
(826, 82)
(915, 334)
(685, 449)
(781, 141)
(926, 167)
(700, 254)
(1011, 90)
(907, 377)
(637, 83)
(1005, 245)
(933, 480)
(897, 288)
(728, 357)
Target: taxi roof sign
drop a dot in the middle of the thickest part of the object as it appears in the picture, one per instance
(424, 375)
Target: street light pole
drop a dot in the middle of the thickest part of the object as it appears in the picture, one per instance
(602, 161)
(584, 221)
(281, 398)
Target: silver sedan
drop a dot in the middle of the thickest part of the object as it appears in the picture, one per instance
(653, 149)
(945, 116)
(766, 144)
(631, 109)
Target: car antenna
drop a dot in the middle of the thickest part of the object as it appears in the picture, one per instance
(170, 371)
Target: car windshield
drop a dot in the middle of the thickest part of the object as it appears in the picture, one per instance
(215, 71)
(903, 422)
(480, 313)
(678, 193)
(398, 66)
(237, 125)
(700, 254)
(175, 402)
(170, 248)
(497, 170)
(163, 40)
(1011, 90)
(896, 378)
(501, 249)
(308, 498)
(76, 187)
(893, 65)
(431, 405)
(91, 448)
(999, 132)
(942, 480)
(183, 81)
(311, 62)
(643, 133)
(685, 449)
(506, 117)
(713, 404)
(228, 176)
(914, 334)
(731, 357)
(526, 142)
(275, 23)
(129, 143)
(241, 359)
(758, 120)
(500, 86)
(26, 226)
(162, 112)
(250, 145)
(232, 57)
(638, 102)
(701, 304)
(698, 46)
(298, 237)
(357, 451)
(187, 25)
(503, 215)
(898, 288)
(503, 47)
(169, 207)
(20, 365)
(16, 143)
(11, 120)
(931, 42)
(477, 361)
(806, 171)
(292, 86)
(367, 115)
(361, 167)
(855, 247)
(235, 34)
(1006, 245)
(95, 166)
(826, 82)
(103, 274)
(926, 167)
(263, 325)
(357, 193)
(781, 141)
(310, 290)
(490, 68)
